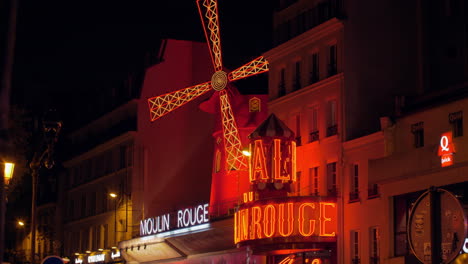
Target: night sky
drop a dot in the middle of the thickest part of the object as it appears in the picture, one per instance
(69, 55)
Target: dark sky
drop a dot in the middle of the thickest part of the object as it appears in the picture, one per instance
(70, 52)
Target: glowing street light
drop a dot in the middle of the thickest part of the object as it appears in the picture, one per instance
(8, 172)
(113, 195)
(20, 223)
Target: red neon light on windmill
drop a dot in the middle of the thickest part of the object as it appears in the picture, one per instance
(161, 105)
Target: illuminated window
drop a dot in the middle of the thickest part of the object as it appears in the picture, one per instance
(314, 69)
(355, 256)
(313, 175)
(456, 120)
(418, 133)
(331, 179)
(254, 104)
(332, 67)
(374, 250)
(354, 192)
(282, 83)
(297, 76)
(332, 127)
(313, 127)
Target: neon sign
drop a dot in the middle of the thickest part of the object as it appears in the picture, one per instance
(274, 161)
(182, 219)
(96, 258)
(446, 149)
(78, 260)
(286, 219)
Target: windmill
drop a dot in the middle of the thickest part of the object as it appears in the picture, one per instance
(163, 104)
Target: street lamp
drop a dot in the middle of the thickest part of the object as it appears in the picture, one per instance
(20, 223)
(7, 175)
(114, 196)
(43, 156)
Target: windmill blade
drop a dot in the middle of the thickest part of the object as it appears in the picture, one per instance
(163, 104)
(256, 66)
(232, 142)
(208, 10)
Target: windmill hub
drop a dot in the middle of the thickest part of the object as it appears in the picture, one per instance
(219, 80)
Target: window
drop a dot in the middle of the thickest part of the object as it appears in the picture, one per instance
(123, 157)
(297, 75)
(354, 193)
(105, 235)
(92, 204)
(374, 250)
(418, 133)
(313, 175)
(331, 179)
(282, 83)
(332, 127)
(313, 127)
(296, 123)
(456, 120)
(355, 256)
(298, 182)
(83, 206)
(332, 68)
(314, 69)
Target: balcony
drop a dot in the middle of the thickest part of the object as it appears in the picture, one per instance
(313, 136)
(354, 197)
(333, 192)
(356, 261)
(373, 192)
(332, 69)
(297, 85)
(281, 89)
(374, 260)
(332, 130)
(313, 77)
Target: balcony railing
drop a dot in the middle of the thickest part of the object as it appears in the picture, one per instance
(314, 136)
(354, 197)
(281, 89)
(373, 192)
(374, 260)
(314, 77)
(332, 69)
(332, 130)
(333, 191)
(297, 85)
(356, 261)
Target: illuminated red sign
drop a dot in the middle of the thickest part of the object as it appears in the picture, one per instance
(285, 219)
(273, 160)
(446, 149)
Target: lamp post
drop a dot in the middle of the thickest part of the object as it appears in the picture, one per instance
(44, 156)
(114, 196)
(7, 175)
